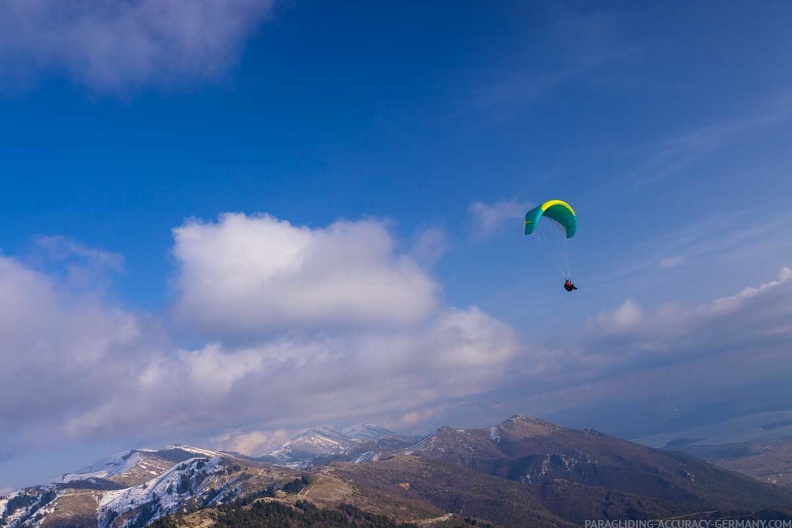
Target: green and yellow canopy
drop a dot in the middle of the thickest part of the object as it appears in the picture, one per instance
(557, 210)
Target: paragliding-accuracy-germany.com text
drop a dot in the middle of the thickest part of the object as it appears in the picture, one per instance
(689, 523)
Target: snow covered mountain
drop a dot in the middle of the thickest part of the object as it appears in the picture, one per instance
(133, 467)
(133, 488)
(365, 432)
(310, 444)
(358, 443)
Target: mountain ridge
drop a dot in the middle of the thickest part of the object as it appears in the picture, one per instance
(522, 470)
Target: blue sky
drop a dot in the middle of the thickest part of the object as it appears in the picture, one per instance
(666, 127)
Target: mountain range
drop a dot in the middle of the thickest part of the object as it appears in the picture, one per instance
(521, 472)
(359, 443)
(767, 460)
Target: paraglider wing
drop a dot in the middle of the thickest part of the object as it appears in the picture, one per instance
(552, 224)
(557, 210)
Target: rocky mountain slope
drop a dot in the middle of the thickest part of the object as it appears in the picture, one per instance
(537, 452)
(765, 460)
(574, 473)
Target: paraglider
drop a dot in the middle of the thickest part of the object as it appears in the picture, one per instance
(554, 222)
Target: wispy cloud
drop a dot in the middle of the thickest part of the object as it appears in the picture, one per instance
(672, 262)
(488, 218)
(704, 242)
(430, 245)
(79, 267)
(678, 153)
(523, 88)
(62, 249)
(120, 47)
(582, 44)
(673, 155)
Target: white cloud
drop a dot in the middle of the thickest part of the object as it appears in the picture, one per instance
(472, 338)
(736, 301)
(412, 418)
(488, 218)
(245, 274)
(117, 46)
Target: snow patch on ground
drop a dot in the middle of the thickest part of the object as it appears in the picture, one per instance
(195, 450)
(495, 434)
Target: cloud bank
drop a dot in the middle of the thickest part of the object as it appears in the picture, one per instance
(628, 366)
(751, 317)
(61, 353)
(306, 326)
(287, 348)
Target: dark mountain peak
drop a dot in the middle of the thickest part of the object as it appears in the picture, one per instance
(498, 440)
(522, 418)
(449, 441)
(526, 418)
(528, 426)
(453, 432)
